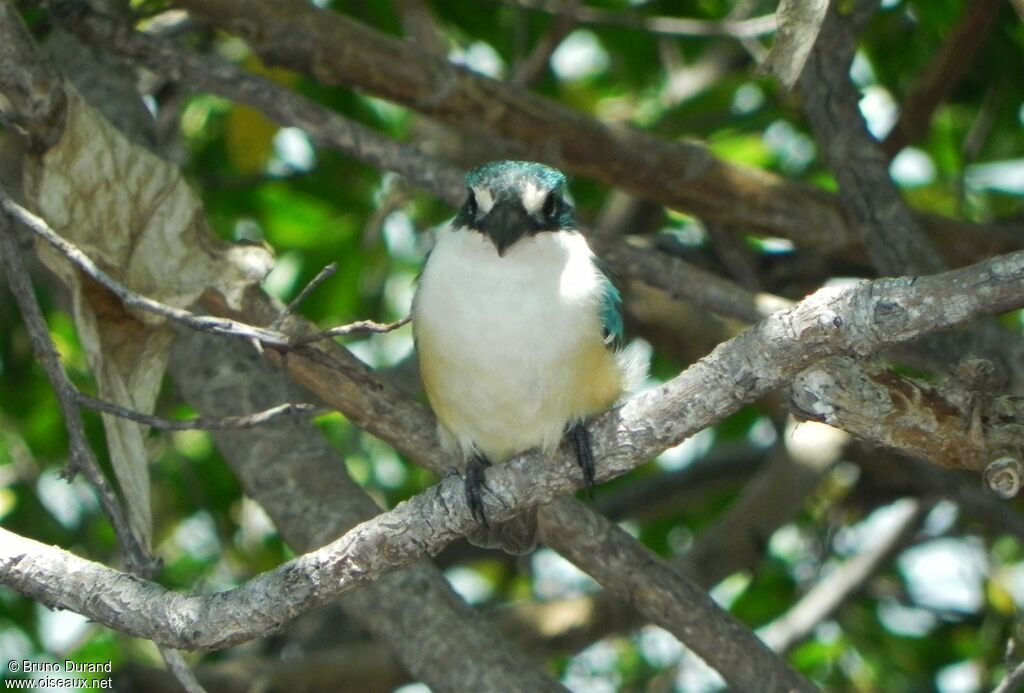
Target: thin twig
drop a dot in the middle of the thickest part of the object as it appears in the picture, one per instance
(1014, 679)
(81, 455)
(203, 423)
(199, 322)
(945, 70)
(532, 67)
(180, 669)
(322, 276)
(359, 327)
(206, 323)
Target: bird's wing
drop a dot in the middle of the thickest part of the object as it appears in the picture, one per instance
(611, 302)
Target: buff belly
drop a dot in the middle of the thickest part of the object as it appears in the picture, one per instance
(511, 347)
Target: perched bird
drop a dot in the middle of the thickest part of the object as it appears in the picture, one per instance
(514, 323)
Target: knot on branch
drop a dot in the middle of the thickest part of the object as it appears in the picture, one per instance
(1003, 477)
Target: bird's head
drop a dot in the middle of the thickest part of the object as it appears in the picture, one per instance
(511, 200)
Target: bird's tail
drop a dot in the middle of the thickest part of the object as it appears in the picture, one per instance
(516, 536)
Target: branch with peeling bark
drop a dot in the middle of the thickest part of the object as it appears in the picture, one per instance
(674, 276)
(894, 237)
(862, 319)
(957, 423)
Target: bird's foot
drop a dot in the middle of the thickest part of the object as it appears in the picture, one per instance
(475, 483)
(579, 436)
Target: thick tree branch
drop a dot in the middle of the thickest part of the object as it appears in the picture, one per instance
(384, 607)
(860, 319)
(672, 601)
(684, 175)
(892, 234)
(956, 423)
(198, 72)
(677, 278)
(895, 242)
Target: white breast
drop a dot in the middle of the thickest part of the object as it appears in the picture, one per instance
(501, 338)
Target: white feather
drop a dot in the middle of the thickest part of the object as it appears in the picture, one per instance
(533, 197)
(484, 199)
(503, 340)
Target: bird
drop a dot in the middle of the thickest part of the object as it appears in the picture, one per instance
(516, 326)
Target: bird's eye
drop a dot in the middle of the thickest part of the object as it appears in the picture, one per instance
(471, 204)
(551, 204)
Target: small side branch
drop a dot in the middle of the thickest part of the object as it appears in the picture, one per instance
(358, 327)
(833, 591)
(131, 299)
(321, 276)
(950, 63)
(204, 423)
(207, 323)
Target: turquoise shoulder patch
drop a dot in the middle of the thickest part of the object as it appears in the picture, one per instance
(611, 302)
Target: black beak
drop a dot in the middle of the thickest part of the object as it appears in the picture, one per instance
(506, 223)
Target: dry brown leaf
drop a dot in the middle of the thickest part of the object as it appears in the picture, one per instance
(136, 217)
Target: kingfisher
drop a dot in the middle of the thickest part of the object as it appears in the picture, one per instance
(516, 328)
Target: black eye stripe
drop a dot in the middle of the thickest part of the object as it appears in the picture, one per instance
(471, 203)
(550, 203)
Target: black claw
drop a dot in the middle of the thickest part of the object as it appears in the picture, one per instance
(579, 436)
(475, 484)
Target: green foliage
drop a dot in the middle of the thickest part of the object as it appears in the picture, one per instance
(322, 211)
